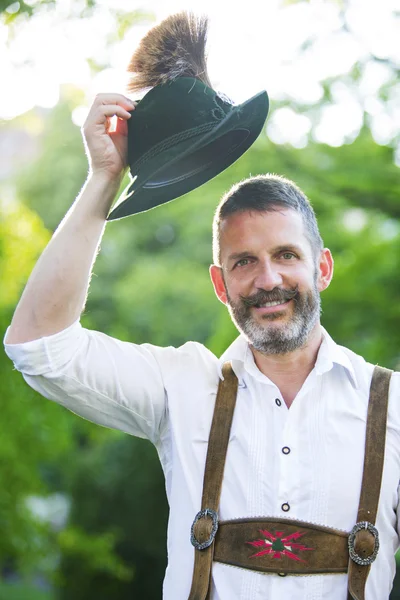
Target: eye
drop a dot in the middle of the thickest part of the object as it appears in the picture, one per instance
(242, 262)
(288, 255)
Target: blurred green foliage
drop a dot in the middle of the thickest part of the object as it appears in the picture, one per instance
(15, 10)
(23, 591)
(151, 284)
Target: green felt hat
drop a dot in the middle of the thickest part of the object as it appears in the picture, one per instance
(180, 135)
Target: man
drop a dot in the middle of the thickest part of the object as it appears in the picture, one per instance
(296, 446)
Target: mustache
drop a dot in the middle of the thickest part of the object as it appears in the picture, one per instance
(275, 295)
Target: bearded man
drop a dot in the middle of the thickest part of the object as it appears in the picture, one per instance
(294, 461)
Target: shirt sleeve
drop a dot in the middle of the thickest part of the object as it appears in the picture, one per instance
(113, 383)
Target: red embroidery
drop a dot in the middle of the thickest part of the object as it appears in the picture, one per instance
(277, 545)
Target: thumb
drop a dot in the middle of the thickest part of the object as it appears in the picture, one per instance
(121, 127)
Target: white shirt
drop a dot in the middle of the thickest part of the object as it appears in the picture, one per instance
(167, 395)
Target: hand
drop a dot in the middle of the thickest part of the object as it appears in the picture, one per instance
(107, 149)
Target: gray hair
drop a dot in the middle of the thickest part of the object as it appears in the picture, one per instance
(266, 193)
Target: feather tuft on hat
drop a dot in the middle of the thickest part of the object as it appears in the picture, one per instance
(174, 48)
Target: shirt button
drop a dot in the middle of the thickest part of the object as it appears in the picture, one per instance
(286, 450)
(285, 507)
(278, 402)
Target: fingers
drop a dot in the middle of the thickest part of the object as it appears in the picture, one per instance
(111, 110)
(106, 106)
(107, 99)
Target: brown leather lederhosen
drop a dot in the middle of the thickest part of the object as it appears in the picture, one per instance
(250, 543)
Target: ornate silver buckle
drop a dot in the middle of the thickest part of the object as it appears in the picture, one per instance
(352, 537)
(206, 512)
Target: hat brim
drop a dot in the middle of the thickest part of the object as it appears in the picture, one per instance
(195, 161)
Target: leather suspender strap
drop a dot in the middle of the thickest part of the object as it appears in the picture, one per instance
(365, 541)
(204, 525)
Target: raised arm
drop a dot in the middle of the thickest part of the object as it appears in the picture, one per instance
(55, 294)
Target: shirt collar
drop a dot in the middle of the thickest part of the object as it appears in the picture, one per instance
(329, 354)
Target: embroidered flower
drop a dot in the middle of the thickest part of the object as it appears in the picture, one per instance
(279, 545)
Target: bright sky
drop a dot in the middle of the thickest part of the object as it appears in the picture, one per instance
(253, 46)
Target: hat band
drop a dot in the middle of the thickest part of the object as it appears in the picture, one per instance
(172, 141)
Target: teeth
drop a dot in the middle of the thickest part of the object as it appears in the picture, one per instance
(276, 303)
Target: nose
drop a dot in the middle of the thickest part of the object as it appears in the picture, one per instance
(268, 276)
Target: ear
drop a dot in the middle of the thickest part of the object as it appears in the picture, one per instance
(218, 283)
(325, 272)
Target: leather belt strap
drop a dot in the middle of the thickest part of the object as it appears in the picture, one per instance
(233, 539)
(214, 471)
(375, 439)
(302, 548)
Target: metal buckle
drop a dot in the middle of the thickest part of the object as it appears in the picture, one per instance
(353, 554)
(206, 512)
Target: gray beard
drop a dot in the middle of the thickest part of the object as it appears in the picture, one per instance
(277, 340)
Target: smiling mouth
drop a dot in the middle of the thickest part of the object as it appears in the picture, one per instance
(270, 304)
(276, 297)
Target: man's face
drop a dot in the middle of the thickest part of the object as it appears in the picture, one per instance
(269, 279)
